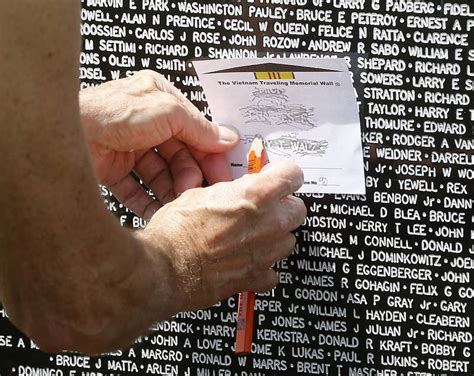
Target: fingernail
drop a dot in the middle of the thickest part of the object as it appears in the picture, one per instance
(228, 135)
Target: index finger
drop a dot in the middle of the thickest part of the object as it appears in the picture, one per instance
(210, 129)
(190, 126)
(214, 166)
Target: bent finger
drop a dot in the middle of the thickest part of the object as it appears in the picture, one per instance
(213, 166)
(267, 254)
(154, 172)
(184, 168)
(131, 194)
(166, 86)
(281, 250)
(191, 126)
(290, 213)
(280, 219)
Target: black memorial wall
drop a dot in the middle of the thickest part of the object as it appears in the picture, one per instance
(379, 284)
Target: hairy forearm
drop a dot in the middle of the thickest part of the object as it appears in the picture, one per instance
(88, 294)
(69, 275)
(86, 297)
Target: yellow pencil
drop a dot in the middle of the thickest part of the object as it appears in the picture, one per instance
(245, 313)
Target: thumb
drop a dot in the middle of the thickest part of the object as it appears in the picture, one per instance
(190, 126)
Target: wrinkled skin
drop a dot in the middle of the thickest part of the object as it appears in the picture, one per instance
(125, 120)
(222, 239)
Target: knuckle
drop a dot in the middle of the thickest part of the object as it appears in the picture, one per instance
(171, 107)
(247, 209)
(281, 224)
(297, 210)
(191, 194)
(169, 101)
(299, 176)
(294, 175)
(251, 192)
(147, 79)
(294, 170)
(149, 73)
(245, 202)
(280, 183)
(287, 185)
(302, 211)
(181, 156)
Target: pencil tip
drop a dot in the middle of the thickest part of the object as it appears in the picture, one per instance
(257, 144)
(256, 147)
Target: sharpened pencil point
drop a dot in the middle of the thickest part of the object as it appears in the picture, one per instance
(256, 147)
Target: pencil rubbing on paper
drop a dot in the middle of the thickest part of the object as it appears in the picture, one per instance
(290, 145)
(273, 107)
(305, 109)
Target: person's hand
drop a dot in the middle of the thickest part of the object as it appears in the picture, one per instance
(224, 239)
(143, 124)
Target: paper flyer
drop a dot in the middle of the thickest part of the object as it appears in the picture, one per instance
(304, 109)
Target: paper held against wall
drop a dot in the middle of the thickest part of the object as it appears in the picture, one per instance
(305, 110)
